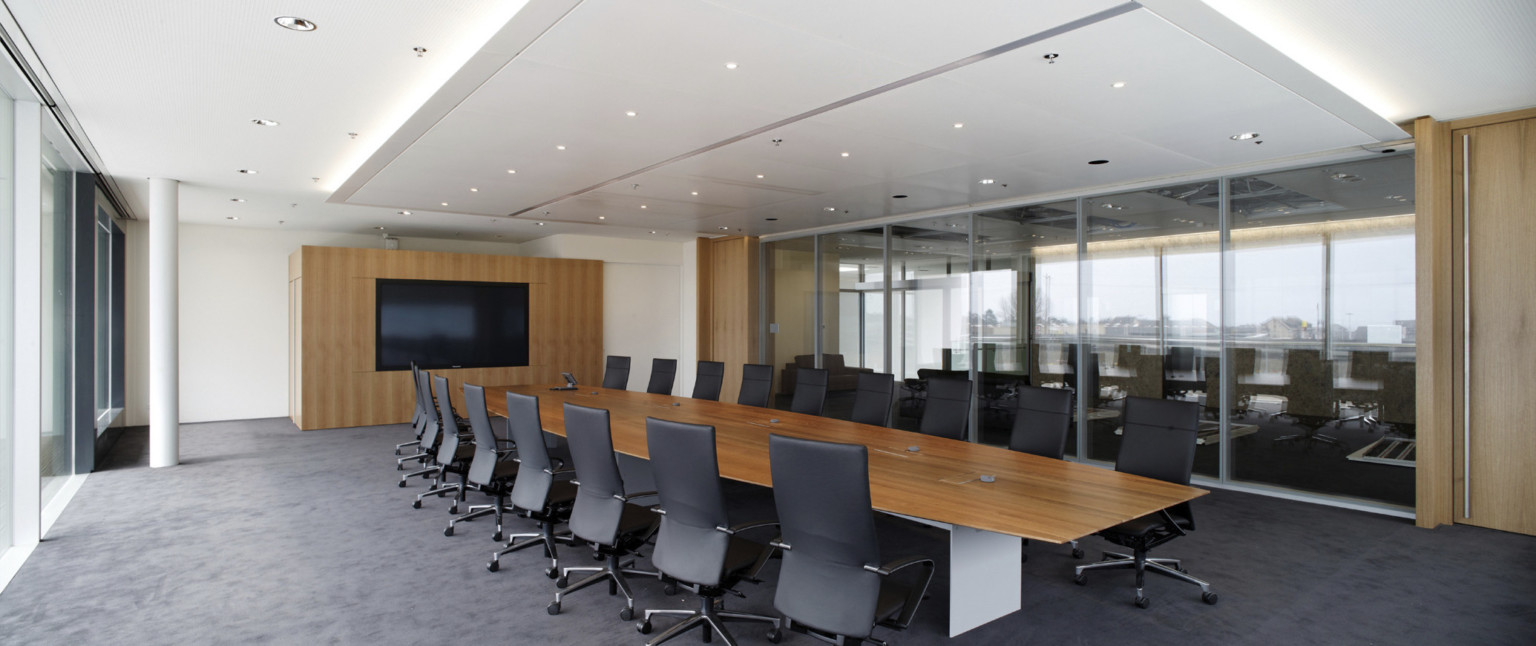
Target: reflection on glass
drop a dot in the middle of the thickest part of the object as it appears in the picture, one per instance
(57, 459)
(852, 313)
(791, 312)
(1151, 280)
(1025, 286)
(930, 308)
(103, 333)
(1323, 333)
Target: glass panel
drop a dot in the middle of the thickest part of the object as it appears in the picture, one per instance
(1026, 288)
(791, 312)
(103, 318)
(853, 315)
(7, 304)
(930, 307)
(1151, 283)
(1323, 334)
(57, 456)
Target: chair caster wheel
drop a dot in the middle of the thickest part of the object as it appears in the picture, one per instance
(643, 627)
(454, 509)
(627, 614)
(493, 566)
(551, 572)
(1143, 602)
(449, 531)
(775, 637)
(553, 608)
(400, 467)
(402, 484)
(1208, 597)
(440, 494)
(1077, 553)
(669, 589)
(496, 537)
(416, 505)
(561, 582)
(1081, 579)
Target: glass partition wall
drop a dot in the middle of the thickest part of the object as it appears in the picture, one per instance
(1282, 303)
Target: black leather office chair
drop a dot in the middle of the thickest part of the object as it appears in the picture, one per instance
(539, 493)
(663, 375)
(616, 373)
(492, 468)
(1158, 442)
(831, 583)
(810, 391)
(424, 406)
(756, 385)
(1041, 424)
(948, 411)
(603, 516)
(418, 415)
(707, 384)
(430, 435)
(697, 545)
(453, 451)
(872, 400)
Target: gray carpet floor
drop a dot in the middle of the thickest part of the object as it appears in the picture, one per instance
(266, 534)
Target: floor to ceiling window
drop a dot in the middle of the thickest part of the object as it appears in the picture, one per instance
(57, 446)
(1282, 302)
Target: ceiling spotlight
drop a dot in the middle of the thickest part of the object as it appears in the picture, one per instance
(1117, 84)
(1344, 177)
(378, 228)
(1243, 136)
(560, 147)
(419, 51)
(759, 176)
(725, 228)
(237, 199)
(642, 206)
(629, 113)
(1051, 58)
(511, 171)
(695, 192)
(1098, 162)
(541, 224)
(653, 233)
(264, 122)
(602, 217)
(830, 208)
(845, 154)
(294, 23)
(247, 171)
(1112, 207)
(729, 66)
(474, 190)
(986, 181)
(403, 212)
(231, 217)
(445, 204)
(959, 125)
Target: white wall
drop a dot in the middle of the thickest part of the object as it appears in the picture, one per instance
(234, 310)
(650, 300)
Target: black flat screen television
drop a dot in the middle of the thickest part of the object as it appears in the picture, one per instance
(443, 324)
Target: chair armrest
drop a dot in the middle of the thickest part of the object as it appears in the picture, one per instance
(631, 496)
(916, 592)
(560, 472)
(741, 527)
(898, 564)
(1172, 524)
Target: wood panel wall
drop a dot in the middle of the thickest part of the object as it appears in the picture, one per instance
(333, 325)
(728, 306)
(1434, 351)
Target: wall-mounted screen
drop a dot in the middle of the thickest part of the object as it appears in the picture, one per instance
(442, 324)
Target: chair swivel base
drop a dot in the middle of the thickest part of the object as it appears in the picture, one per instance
(711, 615)
(546, 537)
(476, 511)
(1140, 562)
(613, 572)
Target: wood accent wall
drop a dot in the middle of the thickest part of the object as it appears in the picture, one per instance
(1434, 349)
(728, 306)
(333, 383)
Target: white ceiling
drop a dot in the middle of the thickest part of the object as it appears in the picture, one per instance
(168, 88)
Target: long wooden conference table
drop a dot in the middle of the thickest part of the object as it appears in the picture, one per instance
(939, 483)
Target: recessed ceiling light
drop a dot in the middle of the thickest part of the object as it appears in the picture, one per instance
(986, 181)
(602, 217)
(1243, 136)
(695, 192)
(231, 217)
(898, 197)
(445, 204)
(403, 212)
(1051, 57)
(729, 66)
(295, 23)
(419, 51)
(845, 154)
(725, 228)
(830, 208)
(511, 171)
(1098, 162)
(264, 122)
(759, 176)
(1112, 207)
(1117, 84)
(474, 190)
(541, 224)
(1344, 177)
(559, 147)
(642, 206)
(237, 199)
(629, 113)
(653, 233)
(771, 219)
(959, 125)
(247, 171)
(378, 228)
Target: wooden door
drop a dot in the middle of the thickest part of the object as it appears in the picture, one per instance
(1494, 222)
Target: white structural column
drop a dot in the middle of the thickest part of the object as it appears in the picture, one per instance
(164, 358)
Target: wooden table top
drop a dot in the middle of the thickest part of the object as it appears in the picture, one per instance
(1032, 497)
